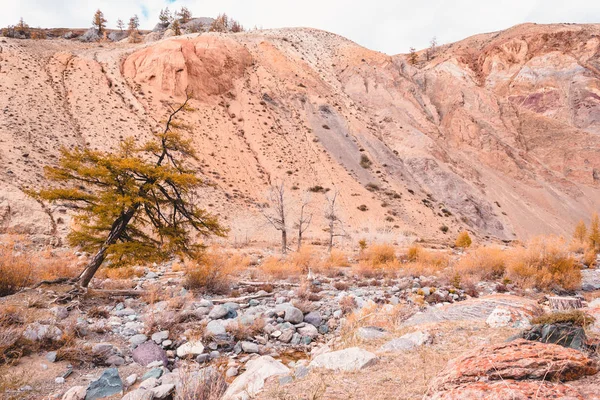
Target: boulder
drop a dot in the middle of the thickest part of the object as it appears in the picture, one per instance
(107, 385)
(368, 333)
(293, 315)
(249, 347)
(163, 391)
(36, 332)
(149, 352)
(516, 360)
(309, 331)
(193, 348)
(215, 328)
(139, 394)
(563, 334)
(253, 379)
(513, 317)
(406, 342)
(352, 359)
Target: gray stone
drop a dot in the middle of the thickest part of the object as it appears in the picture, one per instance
(301, 372)
(368, 333)
(253, 379)
(149, 352)
(566, 335)
(218, 312)
(107, 385)
(36, 332)
(131, 379)
(293, 315)
(136, 340)
(115, 360)
(215, 328)
(153, 373)
(190, 348)
(60, 380)
(139, 394)
(284, 380)
(163, 391)
(314, 318)
(309, 331)
(75, 393)
(250, 347)
(214, 354)
(287, 335)
(352, 359)
(51, 356)
(407, 342)
(149, 383)
(203, 358)
(60, 312)
(159, 337)
(231, 372)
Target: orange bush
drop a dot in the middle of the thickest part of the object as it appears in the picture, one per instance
(213, 271)
(485, 263)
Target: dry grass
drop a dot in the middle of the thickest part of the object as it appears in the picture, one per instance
(119, 273)
(244, 332)
(575, 317)
(278, 268)
(545, 263)
(214, 271)
(484, 263)
(337, 258)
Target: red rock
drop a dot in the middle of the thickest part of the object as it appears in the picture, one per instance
(517, 360)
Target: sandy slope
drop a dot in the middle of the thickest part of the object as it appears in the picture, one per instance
(500, 130)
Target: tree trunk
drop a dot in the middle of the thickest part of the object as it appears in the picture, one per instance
(283, 241)
(299, 238)
(115, 233)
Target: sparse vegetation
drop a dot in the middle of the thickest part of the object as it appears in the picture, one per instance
(213, 271)
(365, 162)
(463, 240)
(575, 317)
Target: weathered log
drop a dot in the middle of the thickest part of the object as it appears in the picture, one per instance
(564, 303)
(242, 299)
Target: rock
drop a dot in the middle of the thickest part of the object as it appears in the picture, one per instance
(352, 359)
(103, 349)
(91, 35)
(301, 372)
(139, 394)
(474, 310)
(163, 391)
(368, 333)
(565, 303)
(293, 315)
(286, 336)
(407, 342)
(60, 380)
(131, 379)
(107, 385)
(249, 347)
(149, 352)
(513, 317)
(215, 328)
(36, 332)
(159, 337)
(590, 280)
(153, 373)
(308, 331)
(253, 379)
(508, 389)
(115, 360)
(231, 372)
(565, 335)
(136, 340)
(148, 383)
(314, 318)
(51, 356)
(60, 312)
(75, 393)
(193, 348)
(517, 360)
(218, 312)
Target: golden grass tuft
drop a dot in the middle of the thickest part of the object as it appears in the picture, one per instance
(214, 271)
(575, 317)
(463, 240)
(484, 263)
(278, 268)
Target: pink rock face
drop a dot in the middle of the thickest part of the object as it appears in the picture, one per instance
(509, 389)
(149, 352)
(518, 366)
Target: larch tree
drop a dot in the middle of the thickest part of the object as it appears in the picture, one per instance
(120, 25)
(413, 57)
(99, 22)
(594, 232)
(132, 27)
(580, 233)
(134, 205)
(220, 24)
(176, 27)
(185, 15)
(165, 17)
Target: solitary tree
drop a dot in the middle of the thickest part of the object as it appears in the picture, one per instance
(185, 15)
(134, 23)
(176, 27)
(335, 228)
(136, 204)
(580, 233)
(412, 56)
(594, 236)
(99, 22)
(165, 17)
(276, 212)
(432, 48)
(304, 219)
(22, 28)
(120, 25)
(236, 26)
(220, 24)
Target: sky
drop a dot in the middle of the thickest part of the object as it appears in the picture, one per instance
(389, 26)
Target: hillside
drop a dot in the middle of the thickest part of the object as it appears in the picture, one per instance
(497, 134)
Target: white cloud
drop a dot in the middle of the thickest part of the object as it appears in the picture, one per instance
(385, 25)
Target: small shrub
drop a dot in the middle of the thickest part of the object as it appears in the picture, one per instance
(16, 270)
(589, 257)
(575, 317)
(444, 228)
(241, 331)
(337, 258)
(372, 187)
(486, 263)
(363, 207)
(341, 285)
(365, 162)
(214, 271)
(278, 268)
(347, 304)
(544, 264)
(463, 240)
